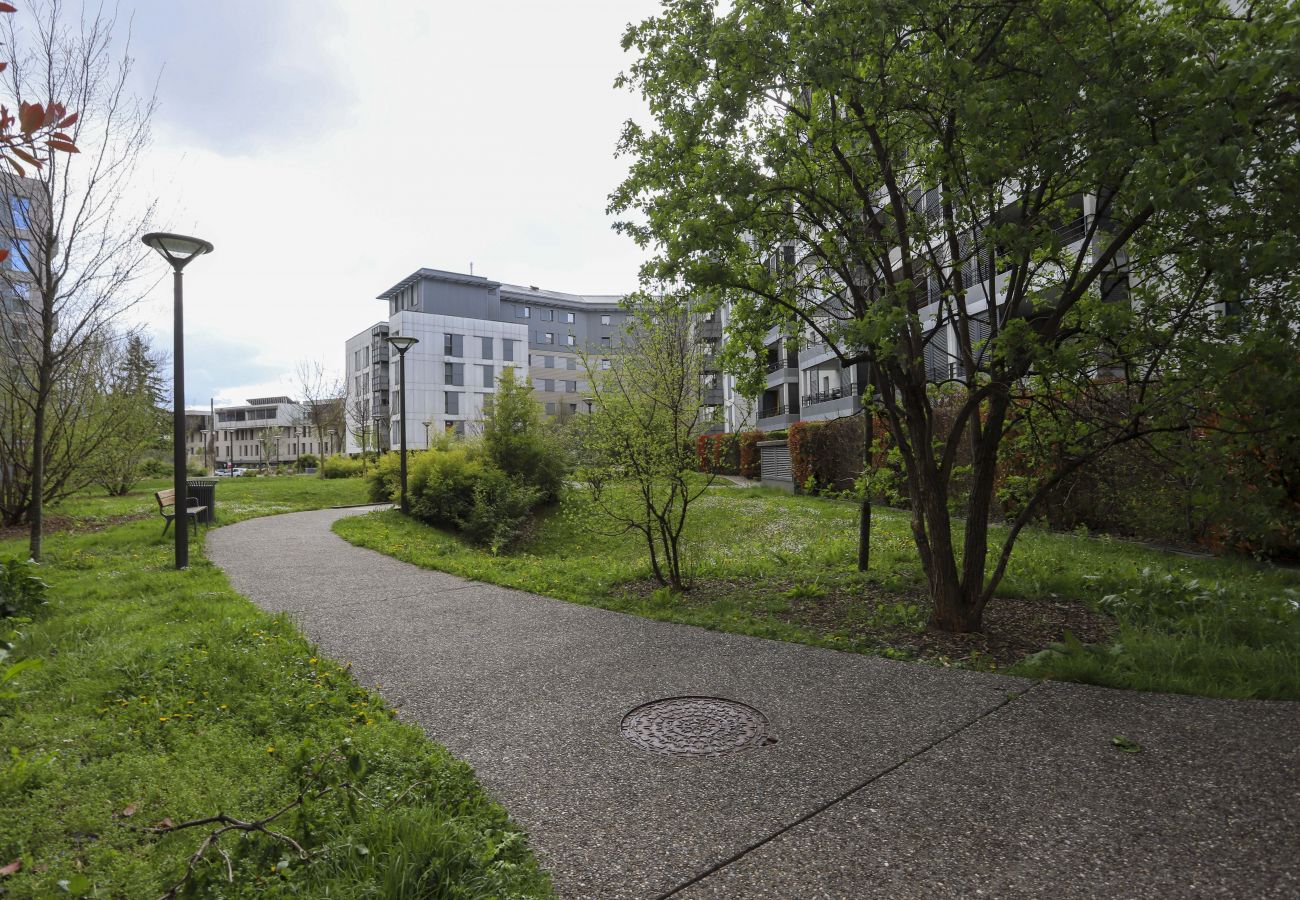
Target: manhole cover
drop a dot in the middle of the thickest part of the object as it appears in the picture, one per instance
(696, 726)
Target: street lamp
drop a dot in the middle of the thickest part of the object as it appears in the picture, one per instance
(178, 250)
(401, 344)
(384, 422)
(588, 401)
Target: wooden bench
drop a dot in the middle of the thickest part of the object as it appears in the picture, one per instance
(167, 508)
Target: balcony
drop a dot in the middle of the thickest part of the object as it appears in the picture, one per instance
(837, 393)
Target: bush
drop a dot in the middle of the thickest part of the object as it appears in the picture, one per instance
(459, 488)
(718, 453)
(341, 467)
(383, 482)
(156, 467)
(22, 591)
(517, 442)
(307, 461)
(195, 468)
(501, 507)
(826, 456)
(750, 460)
(440, 484)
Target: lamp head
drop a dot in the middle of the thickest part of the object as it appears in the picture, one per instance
(402, 343)
(177, 249)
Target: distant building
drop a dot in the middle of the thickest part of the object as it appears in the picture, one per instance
(470, 329)
(200, 438)
(268, 431)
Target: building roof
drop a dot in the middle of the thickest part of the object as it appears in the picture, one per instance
(511, 291)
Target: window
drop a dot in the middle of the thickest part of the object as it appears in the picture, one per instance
(548, 384)
(570, 339)
(606, 341)
(20, 208)
(570, 387)
(568, 318)
(604, 364)
(451, 402)
(573, 407)
(548, 337)
(550, 408)
(708, 316)
(453, 373)
(548, 362)
(523, 312)
(453, 345)
(365, 357)
(508, 350)
(548, 315)
(487, 348)
(489, 376)
(604, 320)
(19, 252)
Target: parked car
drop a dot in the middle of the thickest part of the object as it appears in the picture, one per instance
(229, 473)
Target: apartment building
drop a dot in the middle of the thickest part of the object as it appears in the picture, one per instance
(470, 328)
(268, 431)
(805, 379)
(200, 437)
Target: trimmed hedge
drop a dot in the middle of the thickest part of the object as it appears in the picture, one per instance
(750, 459)
(719, 453)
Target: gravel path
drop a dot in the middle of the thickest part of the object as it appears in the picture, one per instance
(885, 778)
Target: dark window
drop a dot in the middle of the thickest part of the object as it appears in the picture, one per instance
(548, 384)
(571, 364)
(487, 348)
(453, 373)
(508, 350)
(453, 345)
(451, 400)
(548, 315)
(489, 376)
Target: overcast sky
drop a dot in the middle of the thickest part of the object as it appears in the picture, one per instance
(329, 149)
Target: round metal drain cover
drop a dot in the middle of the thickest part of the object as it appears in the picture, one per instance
(696, 726)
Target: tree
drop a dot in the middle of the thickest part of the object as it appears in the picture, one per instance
(72, 270)
(638, 443)
(360, 425)
(1019, 200)
(136, 421)
(322, 403)
(515, 439)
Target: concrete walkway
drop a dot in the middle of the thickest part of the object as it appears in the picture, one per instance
(887, 779)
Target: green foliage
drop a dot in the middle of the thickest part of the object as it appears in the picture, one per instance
(22, 590)
(384, 481)
(517, 442)
(648, 413)
(306, 461)
(500, 508)
(341, 467)
(440, 483)
(164, 694)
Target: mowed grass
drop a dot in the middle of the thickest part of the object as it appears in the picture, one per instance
(785, 548)
(164, 695)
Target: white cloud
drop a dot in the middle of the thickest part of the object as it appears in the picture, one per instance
(328, 150)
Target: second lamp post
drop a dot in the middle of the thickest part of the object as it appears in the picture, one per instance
(401, 344)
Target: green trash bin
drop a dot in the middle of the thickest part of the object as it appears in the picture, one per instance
(204, 490)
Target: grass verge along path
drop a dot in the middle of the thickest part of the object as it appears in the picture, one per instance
(161, 697)
(773, 565)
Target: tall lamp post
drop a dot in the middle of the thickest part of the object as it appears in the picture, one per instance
(178, 250)
(401, 344)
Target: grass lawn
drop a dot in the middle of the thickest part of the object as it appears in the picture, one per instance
(769, 564)
(164, 696)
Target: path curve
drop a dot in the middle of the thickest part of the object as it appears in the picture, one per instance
(888, 778)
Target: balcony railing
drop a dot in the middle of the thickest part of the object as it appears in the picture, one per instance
(770, 411)
(776, 365)
(837, 393)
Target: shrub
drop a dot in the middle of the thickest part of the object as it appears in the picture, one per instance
(21, 590)
(501, 507)
(341, 467)
(440, 484)
(306, 461)
(517, 442)
(156, 467)
(750, 460)
(195, 468)
(826, 456)
(718, 453)
(383, 482)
